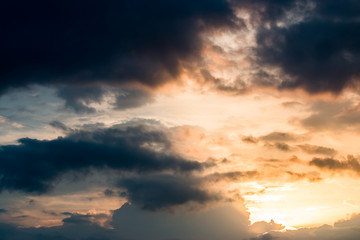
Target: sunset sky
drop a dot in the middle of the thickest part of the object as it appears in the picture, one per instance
(180, 120)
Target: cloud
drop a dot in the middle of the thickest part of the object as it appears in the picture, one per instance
(263, 227)
(111, 42)
(310, 176)
(320, 53)
(130, 222)
(34, 165)
(233, 176)
(164, 191)
(280, 146)
(345, 229)
(249, 139)
(59, 125)
(238, 87)
(132, 98)
(313, 149)
(333, 115)
(351, 163)
(77, 98)
(221, 222)
(281, 137)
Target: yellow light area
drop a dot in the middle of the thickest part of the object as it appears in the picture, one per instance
(305, 205)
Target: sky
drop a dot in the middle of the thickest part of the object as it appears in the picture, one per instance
(180, 120)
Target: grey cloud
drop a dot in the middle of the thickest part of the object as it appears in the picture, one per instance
(132, 223)
(238, 87)
(280, 146)
(282, 137)
(351, 163)
(310, 176)
(313, 149)
(77, 98)
(332, 115)
(34, 165)
(164, 191)
(59, 125)
(320, 53)
(217, 223)
(132, 97)
(233, 176)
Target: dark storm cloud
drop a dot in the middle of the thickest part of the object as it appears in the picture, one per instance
(164, 191)
(313, 149)
(320, 53)
(351, 163)
(34, 165)
(111, 42)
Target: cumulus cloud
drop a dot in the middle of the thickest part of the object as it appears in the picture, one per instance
(34, 165)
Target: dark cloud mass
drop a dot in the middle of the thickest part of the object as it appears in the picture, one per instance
(111, 42)
(320, 53)
(163, 191)
(87, 43)
(33, 165)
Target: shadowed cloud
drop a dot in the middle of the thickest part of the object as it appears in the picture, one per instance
(110, 42)
(33, 165)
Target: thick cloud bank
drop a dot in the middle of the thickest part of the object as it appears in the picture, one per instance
(33, 165)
